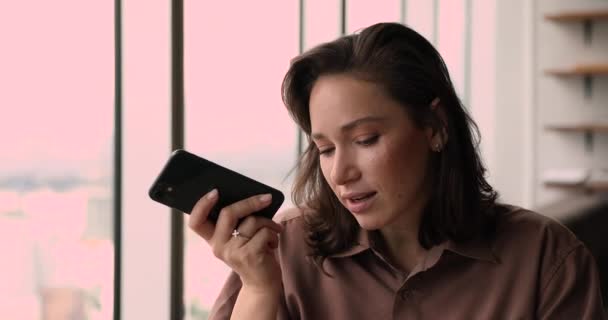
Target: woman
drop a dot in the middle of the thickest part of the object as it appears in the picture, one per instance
(394, 217)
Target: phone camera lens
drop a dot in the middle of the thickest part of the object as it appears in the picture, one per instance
(163, 191)
(158, 194)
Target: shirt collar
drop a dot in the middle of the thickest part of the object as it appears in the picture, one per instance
(363, 243)
(475, 249)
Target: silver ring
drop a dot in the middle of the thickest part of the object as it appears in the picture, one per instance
(237, 234)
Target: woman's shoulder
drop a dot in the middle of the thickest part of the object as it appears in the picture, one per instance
(290, 215)
(294, 229)
(541, 247)
(520, 231)
(525, 222)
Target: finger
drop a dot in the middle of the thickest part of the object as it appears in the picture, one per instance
(263, 240)
(230, 215)
(251, 224)
(198, 221)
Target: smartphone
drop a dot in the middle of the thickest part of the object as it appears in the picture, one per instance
(186, 177)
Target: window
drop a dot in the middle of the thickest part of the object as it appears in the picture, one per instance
(451, 39)
(57, 85)
(234, 114)
(362, 13)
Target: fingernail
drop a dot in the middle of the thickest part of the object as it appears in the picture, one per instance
(266, 197)
(212, 194)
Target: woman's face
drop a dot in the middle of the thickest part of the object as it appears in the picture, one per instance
(371, 153)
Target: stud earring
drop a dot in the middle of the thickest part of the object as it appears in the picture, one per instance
(437, 147)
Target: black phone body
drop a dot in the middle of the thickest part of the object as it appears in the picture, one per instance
(186, 177)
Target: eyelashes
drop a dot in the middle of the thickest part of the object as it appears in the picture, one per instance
(364, 143)
(369, 141)
(326, 152)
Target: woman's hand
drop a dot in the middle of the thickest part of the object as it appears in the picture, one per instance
(250, 253)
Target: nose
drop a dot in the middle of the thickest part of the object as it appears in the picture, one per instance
(344, 169)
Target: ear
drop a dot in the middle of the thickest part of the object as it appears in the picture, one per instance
(437, 138)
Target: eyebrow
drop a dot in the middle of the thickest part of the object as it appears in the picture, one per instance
(353, 124)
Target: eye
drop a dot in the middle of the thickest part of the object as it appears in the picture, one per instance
(326, 152)
(369, 141)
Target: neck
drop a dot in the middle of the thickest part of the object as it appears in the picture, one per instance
(400, 238)
(400, 244)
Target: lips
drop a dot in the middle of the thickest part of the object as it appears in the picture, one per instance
(359, 201)
(355, 195)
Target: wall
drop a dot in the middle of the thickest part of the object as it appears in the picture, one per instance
(516, 147)
(562, 100)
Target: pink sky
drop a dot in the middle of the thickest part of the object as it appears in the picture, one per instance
(57, 83)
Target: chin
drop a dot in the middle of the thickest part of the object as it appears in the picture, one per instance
(369, 223)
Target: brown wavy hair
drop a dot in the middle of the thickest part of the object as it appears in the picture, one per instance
(413, 73)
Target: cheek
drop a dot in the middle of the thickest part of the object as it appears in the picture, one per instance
(380, 166)
(402, 168)
(325, 166)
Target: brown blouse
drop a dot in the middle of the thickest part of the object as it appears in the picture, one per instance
(534, 268)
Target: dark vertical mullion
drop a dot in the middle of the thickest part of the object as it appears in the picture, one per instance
(301, 26)
(117, 183)
(177, 308)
